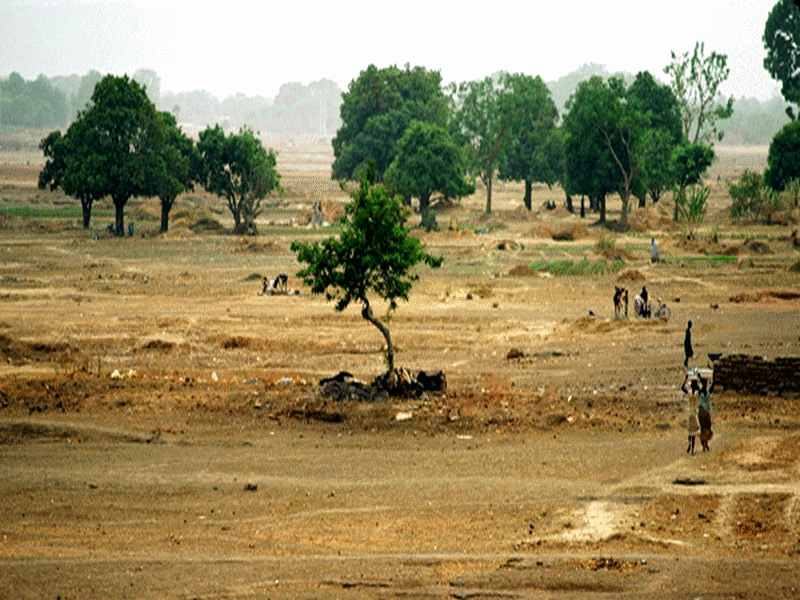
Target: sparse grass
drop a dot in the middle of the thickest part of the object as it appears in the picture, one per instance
(51, 212)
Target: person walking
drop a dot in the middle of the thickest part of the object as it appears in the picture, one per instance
(653, 250)
(692, 424)
(688, 351)
(704, 411)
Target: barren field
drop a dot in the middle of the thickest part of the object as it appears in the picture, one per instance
(163, 433)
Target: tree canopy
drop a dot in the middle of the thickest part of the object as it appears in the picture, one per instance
(109, 150)
(373, 254)
(428, 161)
(533, 150)
(238, 168)
(782, 42)
(783, 159)
(482, 127)
(695, 80)
(34, 103)
(376, 110)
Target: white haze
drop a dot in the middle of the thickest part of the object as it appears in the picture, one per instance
(249, 47)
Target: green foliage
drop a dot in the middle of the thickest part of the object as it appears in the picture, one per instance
(238, 168)
(427, 161)
(602, 127)
(534, 150)
(582, 267)
(695, 80)
(752, 199)
(782, 42)
(688, 162)
(111, 149)
(376, 110)
(34, 103)
(783, 159)
(373, 253)
(692, 207)
(482, 126)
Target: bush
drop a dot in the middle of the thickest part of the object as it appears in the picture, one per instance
(752, 199)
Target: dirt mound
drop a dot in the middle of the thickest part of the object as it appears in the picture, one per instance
(632, 275)
(563, 231)
(614, 253)
(157, 345)
(17, 351)
(763, 296)
(207, 224)
(655, 217)
(522, 271)
(178, 232)
(255, 246)
(757, 247)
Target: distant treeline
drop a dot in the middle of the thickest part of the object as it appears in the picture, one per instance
(297, 110)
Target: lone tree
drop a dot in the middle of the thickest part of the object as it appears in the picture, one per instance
(239, 169)
(428, 161)
(782, 42)
(373, 254)
(109, 150)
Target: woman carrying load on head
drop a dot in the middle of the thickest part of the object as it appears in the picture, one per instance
(704, 411)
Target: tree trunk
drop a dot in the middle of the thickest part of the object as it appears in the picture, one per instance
(166, 206)
(528, 193)
(488, 183)
(86, 209)
(570, 207)
(602, 206)
(119, 216)
(583, 207)
(366, 312)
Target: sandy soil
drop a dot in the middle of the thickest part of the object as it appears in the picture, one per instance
(163, 434)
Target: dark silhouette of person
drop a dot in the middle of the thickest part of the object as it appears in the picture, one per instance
(687, 345)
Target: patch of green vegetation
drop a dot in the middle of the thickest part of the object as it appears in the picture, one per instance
(581, 267)
(51, 212)
(709, 258)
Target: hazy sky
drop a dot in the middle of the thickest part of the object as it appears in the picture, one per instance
(255, 46)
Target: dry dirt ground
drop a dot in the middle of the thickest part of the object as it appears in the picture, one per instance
(163, 434)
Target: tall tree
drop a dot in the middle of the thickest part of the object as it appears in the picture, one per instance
(662, 132)
(71, 164)
(782, 41)
(174, 166)
(532, 153)
(599, 114)
(695, 80)
(373, 254)
(483, 126)
(375, 111)
(239, 169)
(109, 150)
(428, 161)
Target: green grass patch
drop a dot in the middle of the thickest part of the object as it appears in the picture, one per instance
(51, 212)
(581, 267)
(710, 258)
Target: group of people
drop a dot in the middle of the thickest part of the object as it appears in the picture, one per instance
(698, 421)
(641, 303)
